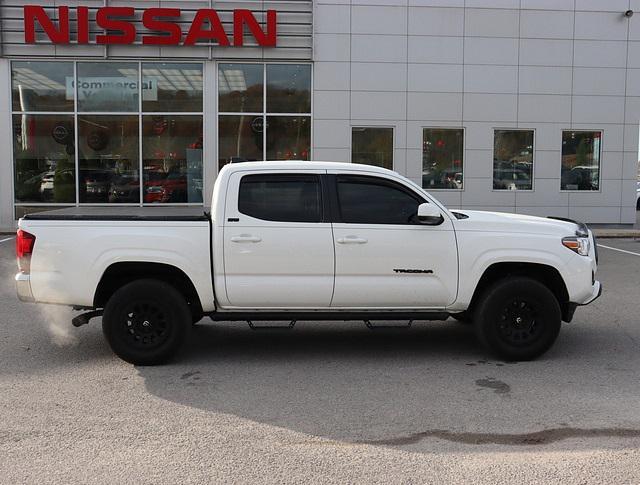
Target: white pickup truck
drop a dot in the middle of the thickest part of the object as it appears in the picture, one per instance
(308, 241)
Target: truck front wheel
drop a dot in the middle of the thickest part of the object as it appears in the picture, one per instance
(146, 322)
(518, 318)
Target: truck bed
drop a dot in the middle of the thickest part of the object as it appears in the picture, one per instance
(116, 213)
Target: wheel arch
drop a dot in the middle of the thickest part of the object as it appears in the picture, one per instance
(119, 274)
(545, 274)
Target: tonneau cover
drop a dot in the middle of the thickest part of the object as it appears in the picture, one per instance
(116, 213)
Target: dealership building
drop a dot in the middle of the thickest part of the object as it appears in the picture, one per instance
(527, 106)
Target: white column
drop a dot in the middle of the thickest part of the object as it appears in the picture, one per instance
(210, 129)
(7, 222)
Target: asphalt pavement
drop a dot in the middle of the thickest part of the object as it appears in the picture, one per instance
(324, 402)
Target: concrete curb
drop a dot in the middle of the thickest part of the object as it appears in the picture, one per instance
(616, 233)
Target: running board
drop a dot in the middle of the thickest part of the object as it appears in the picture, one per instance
(341, 315)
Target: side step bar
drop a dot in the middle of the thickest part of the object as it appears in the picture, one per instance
(322, 315)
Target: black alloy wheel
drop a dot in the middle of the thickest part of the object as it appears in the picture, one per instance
(146, 322)
(145, 325)
(518, 325)
(517, 318)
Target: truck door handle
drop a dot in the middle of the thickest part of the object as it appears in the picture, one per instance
(242, 238)
(352, 240)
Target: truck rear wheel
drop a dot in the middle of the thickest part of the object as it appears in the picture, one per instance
(518, 318)
(146, 322)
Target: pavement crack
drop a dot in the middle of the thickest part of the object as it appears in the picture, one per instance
(536, 438)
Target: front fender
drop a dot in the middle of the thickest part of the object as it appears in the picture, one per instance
(478, 252)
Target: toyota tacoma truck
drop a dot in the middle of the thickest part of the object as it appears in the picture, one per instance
(290, 241)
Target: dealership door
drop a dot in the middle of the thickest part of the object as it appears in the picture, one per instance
(384, 257)
(278, 248)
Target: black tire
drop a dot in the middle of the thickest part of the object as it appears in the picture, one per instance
(146, 322)
(518, 318)
(463, 317)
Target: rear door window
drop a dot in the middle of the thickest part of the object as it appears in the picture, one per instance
(281, 197)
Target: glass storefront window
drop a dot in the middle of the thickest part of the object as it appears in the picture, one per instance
(288, 88)
(108, 159)
(43, 147)
(239, 138)
(372, 146)
(172, 158)
(42, 86)
(171, 87)
(442, 158)
(580, 160)
(240, 88)
(267, 133)
(513, 160)
(288, 137)
(107, 86)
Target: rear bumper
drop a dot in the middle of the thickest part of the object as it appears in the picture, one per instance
(23, 288)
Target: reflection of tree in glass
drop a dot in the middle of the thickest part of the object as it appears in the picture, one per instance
(372, 146)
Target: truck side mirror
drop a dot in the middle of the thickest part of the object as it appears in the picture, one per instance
(429, 214)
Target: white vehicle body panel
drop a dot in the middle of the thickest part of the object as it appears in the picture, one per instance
(71, 256)
(371, 260)
(269, 264)
(300, 265)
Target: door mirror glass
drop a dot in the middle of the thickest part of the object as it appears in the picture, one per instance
(429, 214)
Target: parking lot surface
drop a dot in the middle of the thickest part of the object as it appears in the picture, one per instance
(324, 402)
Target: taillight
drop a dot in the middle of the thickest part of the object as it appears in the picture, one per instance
(24, 249)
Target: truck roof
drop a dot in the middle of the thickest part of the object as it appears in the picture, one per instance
(305, 165)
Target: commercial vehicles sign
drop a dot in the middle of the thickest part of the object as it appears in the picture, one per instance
(161, 26)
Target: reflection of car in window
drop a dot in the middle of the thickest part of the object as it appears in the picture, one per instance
(29, 189)
(441, 179)
(125, 188)
(580, 177)
(511, 179)
(170, 187)
(95, 184)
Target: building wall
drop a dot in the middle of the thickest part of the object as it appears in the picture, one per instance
(485, 64)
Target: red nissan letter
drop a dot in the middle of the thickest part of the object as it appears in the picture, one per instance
(104, 20)
(242, 17)
(35, 12)
(216, 32)
(82, 15)
(149, 20)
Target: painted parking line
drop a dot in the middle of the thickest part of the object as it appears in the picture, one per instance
(5, 240)
(616, 249)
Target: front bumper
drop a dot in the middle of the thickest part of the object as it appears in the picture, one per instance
(23, 288)
(595, 294)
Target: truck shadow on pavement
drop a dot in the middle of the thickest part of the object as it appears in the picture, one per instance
(399, 387)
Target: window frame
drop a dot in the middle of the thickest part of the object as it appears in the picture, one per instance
(533, 162)
(464, 156)
(383, 126)
(264, 114)
(325, 211)
(336, 209)
(600, 153)
(75, 113)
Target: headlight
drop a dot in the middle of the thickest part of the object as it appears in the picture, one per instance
(579, 245)
(154, 189)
